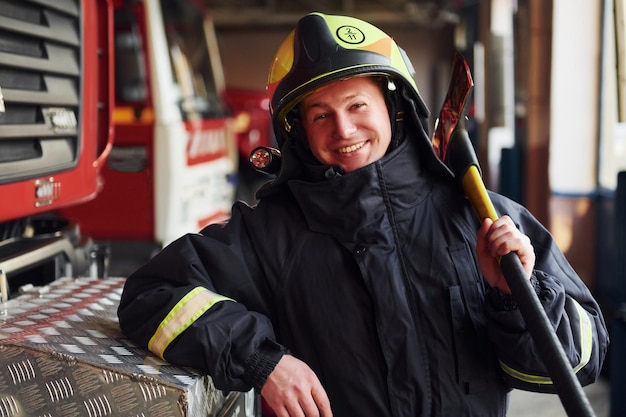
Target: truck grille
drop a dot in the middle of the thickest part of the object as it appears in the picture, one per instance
(40, 79)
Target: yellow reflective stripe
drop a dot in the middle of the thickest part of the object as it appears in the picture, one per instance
(586, 337)
(586, 347)
(184, 314)
(531, 379)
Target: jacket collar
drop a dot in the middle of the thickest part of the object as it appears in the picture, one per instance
(345, 204)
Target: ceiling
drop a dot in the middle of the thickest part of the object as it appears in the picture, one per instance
(272, 13)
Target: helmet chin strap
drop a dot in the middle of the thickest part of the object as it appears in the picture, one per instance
(298, 138)
(396, 112)
(403, 114)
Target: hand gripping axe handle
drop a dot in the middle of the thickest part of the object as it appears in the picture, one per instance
(462, 161)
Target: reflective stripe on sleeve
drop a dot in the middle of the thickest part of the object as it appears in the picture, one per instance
(184, 314)
(586, 337)
(586, 347)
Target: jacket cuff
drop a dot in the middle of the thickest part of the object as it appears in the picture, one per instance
(502, 301)
(262, 362)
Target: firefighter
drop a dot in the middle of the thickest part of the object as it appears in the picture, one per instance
(361, 283)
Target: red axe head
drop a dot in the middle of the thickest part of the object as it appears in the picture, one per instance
(461, 84)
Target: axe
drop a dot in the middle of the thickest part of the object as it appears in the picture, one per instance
(452, 145)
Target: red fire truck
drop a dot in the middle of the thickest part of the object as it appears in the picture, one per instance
(113, 129)
(55, 131)
(173, 166)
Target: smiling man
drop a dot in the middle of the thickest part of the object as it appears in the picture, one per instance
(362, 283)
(347, 123)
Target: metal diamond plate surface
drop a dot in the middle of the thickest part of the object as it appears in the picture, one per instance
(62, 354)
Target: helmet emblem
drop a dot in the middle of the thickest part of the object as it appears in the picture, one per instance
(350, 34)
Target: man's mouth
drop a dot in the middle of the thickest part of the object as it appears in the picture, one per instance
(351, 148)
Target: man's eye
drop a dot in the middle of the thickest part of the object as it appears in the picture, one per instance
(319, 116)
(358, 105)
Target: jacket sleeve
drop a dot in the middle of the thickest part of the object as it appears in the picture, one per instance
(569, 306)
(200, 303)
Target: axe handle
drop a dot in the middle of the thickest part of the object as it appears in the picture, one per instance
(475, 190)
(547, 344)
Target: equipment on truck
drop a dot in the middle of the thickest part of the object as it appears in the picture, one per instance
(62, 353)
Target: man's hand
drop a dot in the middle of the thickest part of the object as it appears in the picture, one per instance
(293, 390)
(496, 239)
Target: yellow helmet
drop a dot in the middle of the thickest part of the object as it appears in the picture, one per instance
(324, 48)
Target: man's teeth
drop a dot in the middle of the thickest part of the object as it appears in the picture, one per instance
(352, 148)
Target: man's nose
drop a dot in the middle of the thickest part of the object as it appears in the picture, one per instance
(344, 125)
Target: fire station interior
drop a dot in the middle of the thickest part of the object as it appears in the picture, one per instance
(512, 48)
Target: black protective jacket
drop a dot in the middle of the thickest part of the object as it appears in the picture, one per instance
(370, 278)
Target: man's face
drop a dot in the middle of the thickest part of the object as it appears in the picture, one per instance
(347, 123)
